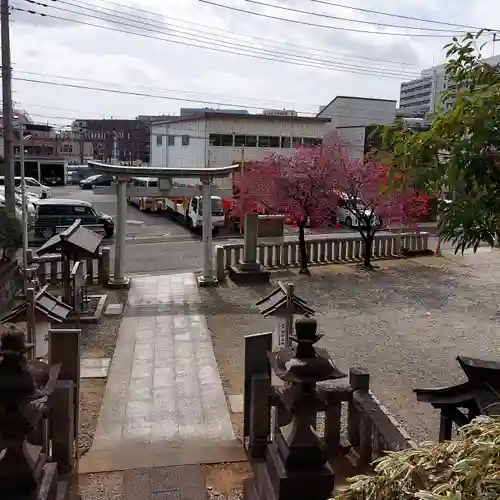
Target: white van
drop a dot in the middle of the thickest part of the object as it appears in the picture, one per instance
(144, 203)
(32, 185)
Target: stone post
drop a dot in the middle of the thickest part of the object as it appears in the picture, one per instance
(103, 270)
(62, 425)
(250, 239)
(64, 348)
(207, 278)
(30, 320)
(249, 270)
(220, 272)
(119, 279)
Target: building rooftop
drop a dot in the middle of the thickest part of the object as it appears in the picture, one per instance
(354, 98)
(231, 116)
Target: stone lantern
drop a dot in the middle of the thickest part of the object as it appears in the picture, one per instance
(20, 463)
(297, 465)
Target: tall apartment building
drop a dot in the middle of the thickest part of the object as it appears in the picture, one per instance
(132, 138)
(422, 96)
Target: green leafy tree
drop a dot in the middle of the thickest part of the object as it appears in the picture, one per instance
(460, 152)
(11, 234)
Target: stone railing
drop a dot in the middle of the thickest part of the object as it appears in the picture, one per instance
(49, 270)
(353, 420)
(320, 250)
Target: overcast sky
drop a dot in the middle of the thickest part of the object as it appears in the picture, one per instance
(357, 64)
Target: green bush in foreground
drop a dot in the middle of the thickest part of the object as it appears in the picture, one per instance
(465, 469)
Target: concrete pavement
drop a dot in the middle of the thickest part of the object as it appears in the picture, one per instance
(164, 404)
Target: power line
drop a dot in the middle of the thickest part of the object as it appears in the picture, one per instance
(339, 18)
(305, 23)
(248, 50)
(139, 94)
(340, 68)
(112, 84)
(258, 38)
(400, 16)
(31, 105)
(211, 36)
(142, 94)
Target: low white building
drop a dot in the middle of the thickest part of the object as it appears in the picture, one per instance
(215, 139)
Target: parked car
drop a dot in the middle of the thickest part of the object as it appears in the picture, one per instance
(31, 200)
(96, 180)
(56, 213)
(54, 181)
(32, 185)
(346, 217)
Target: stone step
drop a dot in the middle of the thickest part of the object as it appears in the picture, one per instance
(162, 454)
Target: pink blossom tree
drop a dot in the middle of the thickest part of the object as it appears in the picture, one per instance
(374, 201)
(309, 185)
(301, 187)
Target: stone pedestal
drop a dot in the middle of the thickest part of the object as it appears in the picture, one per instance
(272, 482)
(249, 270)
(246, 273)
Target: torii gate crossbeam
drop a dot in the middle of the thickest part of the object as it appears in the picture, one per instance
(124, 173)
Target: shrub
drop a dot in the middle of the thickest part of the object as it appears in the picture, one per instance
(11, 234)
(465, 469)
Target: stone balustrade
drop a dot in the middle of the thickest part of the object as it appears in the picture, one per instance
(370, 429)
(320, 250)
(49, 270)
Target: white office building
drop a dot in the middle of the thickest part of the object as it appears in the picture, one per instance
(215, 139)
(422, 96)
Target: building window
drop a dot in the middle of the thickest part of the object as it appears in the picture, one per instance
(239, 141)
(296, 142)
(171, 140)
(274, 141)
(251, 141)
(159, 140)
(225, 140)
(185, 140)
(286, 142)
(266, 141)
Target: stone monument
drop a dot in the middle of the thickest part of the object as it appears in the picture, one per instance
(249, 270)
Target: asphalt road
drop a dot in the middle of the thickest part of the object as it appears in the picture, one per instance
(158, 243)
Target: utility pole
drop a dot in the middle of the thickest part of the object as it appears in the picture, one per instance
(8, 125)
(82, 145)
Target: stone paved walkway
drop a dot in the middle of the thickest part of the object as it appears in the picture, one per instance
(164, 397)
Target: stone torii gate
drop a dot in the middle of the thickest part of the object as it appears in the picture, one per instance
(165, 175)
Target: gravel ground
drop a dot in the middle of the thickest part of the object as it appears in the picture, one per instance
(405, 322)
(224, 481)
(106, 486)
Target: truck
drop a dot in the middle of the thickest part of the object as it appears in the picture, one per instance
(190, 210)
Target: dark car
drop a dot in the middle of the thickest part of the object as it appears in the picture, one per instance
(96, 180)
(53, 180)
(53, 213)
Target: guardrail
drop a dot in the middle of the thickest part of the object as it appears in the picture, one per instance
(320, 250)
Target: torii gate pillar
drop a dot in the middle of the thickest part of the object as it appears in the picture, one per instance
(119, 280)
(207, 278)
